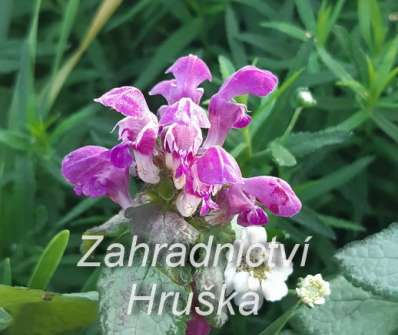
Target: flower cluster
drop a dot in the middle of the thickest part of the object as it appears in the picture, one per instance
(206, 176)
(262, 268)
(312, 290)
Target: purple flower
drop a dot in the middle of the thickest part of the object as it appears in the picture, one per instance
(126, 100)
(243, 199)
(234, 201)
(138, 132)
(225, 113)
(274, 193)
(205, 177)
(90, 170)
(189, 72)
(184, 111)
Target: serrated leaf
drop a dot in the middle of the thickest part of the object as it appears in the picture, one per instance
(281, 155)
(49, 261)
(373, 262)
(115, 287)
(348, 310)
(45, 313)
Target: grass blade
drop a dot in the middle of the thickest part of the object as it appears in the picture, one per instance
(49, 261)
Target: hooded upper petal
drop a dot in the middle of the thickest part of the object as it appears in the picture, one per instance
(189, 72)
(224, 113)
(90, 170)
(274, 193)
(127, 100)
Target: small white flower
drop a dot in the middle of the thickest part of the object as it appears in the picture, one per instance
(257, 266)
(312, 290)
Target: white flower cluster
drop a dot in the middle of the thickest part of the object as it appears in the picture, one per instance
(312, 290)
(257, 267)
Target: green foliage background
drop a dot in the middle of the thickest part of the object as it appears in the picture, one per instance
(341, 155)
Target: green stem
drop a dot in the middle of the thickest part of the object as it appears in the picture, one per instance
(293, 122)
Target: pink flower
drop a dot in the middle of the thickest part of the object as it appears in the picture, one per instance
(90, 170)
(225, 113)
(138, 131)
(246, 198)
(189, 72)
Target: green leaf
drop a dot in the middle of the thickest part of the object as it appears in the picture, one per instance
(45, 313)
(340, 223)
(226, 67)
(313, 189)
(167, 51)
(348, 310)
(385, 125)
(76, 211)
(49, 261)
(276, 326)
(304, 143)
(5, 319)
(306, 13)
(73, 120)
(14, 139)
(232, 29)
(23, 101)
(288, 29)
(281, 155)
(373, 262)
(5, 272)
(115, 287)
(341, 73)
(310, 220)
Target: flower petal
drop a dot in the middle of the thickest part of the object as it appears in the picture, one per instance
(187, 203)
(274, 290)
(90, 170)
(146, 168)
(217, 167)
(189, 72)
(224, 113)
(126, 100)
(183, 111)
(274, 193)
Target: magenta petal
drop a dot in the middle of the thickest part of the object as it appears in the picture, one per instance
(217, 167)
(274, 193)
(248, 80)
(121, 156)
(184, 111)
(90, 170)
(254, 216)
(190, 70)
(182, 139)
(224, 113)
(126, 100)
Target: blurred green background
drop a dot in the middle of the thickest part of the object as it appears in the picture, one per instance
(340, 156)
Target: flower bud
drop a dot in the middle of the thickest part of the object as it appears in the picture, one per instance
(304, 97)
